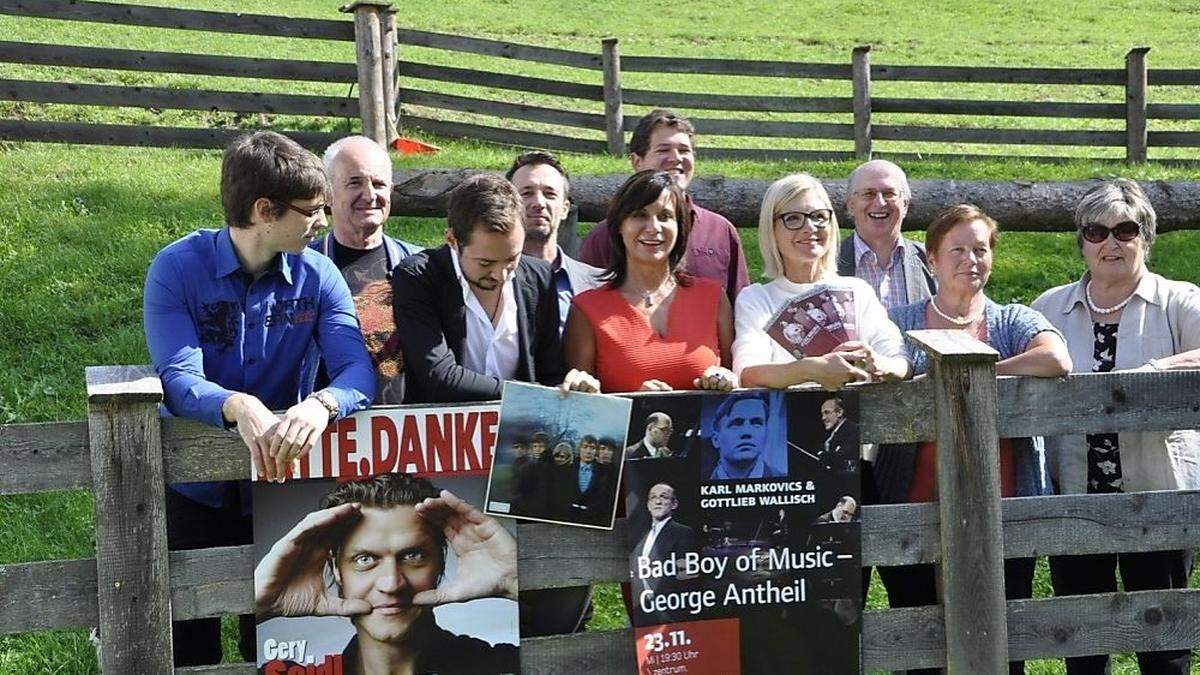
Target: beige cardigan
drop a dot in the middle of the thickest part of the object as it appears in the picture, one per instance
(1162, 319)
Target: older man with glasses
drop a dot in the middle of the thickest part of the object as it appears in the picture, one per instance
(877, 198)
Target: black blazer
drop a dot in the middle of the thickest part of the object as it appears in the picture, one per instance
(431, 323)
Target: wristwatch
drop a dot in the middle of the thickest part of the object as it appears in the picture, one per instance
(327, 400)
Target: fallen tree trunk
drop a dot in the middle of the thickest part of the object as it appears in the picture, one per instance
(1018, 205)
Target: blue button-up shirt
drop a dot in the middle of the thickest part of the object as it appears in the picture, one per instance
(212, 331)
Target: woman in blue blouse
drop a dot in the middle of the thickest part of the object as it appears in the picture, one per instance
(960, 242)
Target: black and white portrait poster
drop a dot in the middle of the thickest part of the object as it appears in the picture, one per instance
(379, 558)
(558, 456)
(744, 532)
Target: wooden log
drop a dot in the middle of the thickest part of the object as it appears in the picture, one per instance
(610, 59)
(132, 579)
(169, 62)
(763, 128)
(971, 570)
(1007, 136)
(368, 48)
(739, 102)
(177, 99)
(518, 111)
(522, 139)
(506, 50)
(751, 68)
(1027, 206)
(1188, 77)
(1135, 105)
(144, 16)
(937, 106)
(483, 78)
(128, 134)
(999, 75)
(772, 155)
(391, 105)
(860, 65)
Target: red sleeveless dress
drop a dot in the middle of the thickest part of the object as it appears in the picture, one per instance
(629, 351)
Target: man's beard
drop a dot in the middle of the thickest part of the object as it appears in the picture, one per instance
(488, 284)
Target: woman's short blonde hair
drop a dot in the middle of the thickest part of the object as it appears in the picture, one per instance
(780, 192)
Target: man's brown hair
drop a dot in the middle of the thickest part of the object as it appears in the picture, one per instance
(268, 165)
(539, 157)
(486, 202)
(639, 143)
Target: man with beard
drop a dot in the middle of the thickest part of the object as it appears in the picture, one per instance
(360, 176)
(384, 541)
(877, 197)
(544, 187)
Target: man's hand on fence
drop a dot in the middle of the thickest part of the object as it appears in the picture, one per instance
(486, 552)
(254, 424)
(296, 434)
(290, 580)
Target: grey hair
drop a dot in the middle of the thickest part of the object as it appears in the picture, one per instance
(1121, 195)
(335, 148)
(905, 191)
(782, 191)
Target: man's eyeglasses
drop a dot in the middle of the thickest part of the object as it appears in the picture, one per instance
(307, 213)
(794, 220)
(870, 195)
(1097, 233)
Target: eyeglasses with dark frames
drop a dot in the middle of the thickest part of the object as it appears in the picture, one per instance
(794, 220)
(307, 213)
(1124, 231)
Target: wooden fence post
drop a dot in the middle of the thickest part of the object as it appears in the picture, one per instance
(1135, 105)
(614, 116)
(971, 572)
(368, 45)
(132, 577)
(388, 39)
(860, 69)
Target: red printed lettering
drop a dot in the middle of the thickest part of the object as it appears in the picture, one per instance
(382, 428)
(346, 447)
(465, 453)
(412, 460)
(438, 448)
(487, 437)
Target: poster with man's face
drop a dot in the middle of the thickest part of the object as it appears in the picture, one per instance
(374, 571)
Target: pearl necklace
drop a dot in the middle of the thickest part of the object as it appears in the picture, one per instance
(966, 321)
(1087, 294)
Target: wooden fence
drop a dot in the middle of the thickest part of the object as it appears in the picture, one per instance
(388, 79)
(124, 453)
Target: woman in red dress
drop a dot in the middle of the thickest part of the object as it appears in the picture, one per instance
(651, 327)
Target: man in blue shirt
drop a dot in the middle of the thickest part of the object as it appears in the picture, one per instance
(229, 316)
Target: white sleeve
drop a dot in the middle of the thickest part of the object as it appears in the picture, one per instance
(751, 345)
(875, 328)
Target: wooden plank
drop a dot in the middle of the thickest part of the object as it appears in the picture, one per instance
(169, 62)
(177, 99)
(1174, 139)
(792, 104)
(132, 577)
(999, 75)
(1135, 105)
(937, 106)
(144, 16)
(1175, 77)
(860, 65)
(127, 134)
(221, 669)
(608, 652)
(1173, 111)
(610, 59)
(518, 111)
(971, 573)
(549, 557)
(1009, 136)
(763, 128)
(751, 68)
(44, 457)
(523, 139)
(901, 639)
(507, 50)
(483, 78)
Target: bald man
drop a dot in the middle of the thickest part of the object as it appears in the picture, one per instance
(877, 198)
(360, 173)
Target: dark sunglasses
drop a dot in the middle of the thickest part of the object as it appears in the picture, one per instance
(307, 213)
(1097, 233)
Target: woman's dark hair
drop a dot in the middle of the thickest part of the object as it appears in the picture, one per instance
(642, 189)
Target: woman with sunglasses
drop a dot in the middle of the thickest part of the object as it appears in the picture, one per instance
(798, 238)
(1121, 316)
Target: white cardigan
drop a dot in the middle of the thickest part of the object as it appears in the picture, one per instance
(757, 303)
(1162, 319)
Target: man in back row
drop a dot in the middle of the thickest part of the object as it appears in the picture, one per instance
(663, 140)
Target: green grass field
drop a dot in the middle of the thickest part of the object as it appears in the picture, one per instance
(82, 223)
